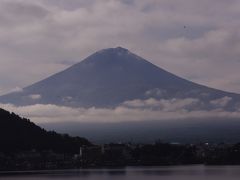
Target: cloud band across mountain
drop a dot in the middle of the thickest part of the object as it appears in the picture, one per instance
(129, 111)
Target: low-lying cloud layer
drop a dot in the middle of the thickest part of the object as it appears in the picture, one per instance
(136, 110)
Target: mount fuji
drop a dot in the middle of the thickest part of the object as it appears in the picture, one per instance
(148, 96)
(110, 77)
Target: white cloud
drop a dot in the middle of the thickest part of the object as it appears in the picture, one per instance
(155, 92)
(67, 99)
(136, 110)
(16, 89)
(222, 102)
(215, 54)
(163, 104)
(35, 96)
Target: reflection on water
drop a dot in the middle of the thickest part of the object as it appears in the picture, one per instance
(134, 173)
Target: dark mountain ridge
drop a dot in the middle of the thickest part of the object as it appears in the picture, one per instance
(20, 134)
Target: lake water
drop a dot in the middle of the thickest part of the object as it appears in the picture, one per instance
(135, 173)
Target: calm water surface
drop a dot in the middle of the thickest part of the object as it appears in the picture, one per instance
(135, 173)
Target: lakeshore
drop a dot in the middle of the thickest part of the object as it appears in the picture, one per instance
(197, 172)
(122, 155)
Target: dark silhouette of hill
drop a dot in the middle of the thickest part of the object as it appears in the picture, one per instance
(19, 134)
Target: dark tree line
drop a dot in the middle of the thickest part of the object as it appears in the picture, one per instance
(19, 134)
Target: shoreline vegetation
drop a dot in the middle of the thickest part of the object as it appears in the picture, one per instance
(122, 155)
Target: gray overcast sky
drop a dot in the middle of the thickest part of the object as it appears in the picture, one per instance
(196, 39)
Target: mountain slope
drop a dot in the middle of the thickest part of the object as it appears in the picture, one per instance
(108, 78)
(17, 134)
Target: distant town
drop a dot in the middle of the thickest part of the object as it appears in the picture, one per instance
(121, 155)
(26, 146)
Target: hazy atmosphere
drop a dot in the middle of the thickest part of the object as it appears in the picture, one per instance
(120, 89)
(198, 40)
